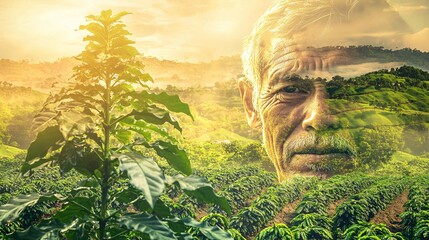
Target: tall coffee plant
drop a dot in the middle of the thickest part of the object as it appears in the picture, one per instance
(98, 123)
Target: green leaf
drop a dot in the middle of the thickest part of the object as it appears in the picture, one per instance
(146, 77)
(118, 16)
(126, 87)
(143, 132)
(160, 210)
(25, 167)
(144, 174)
(156, 116)
(45, 141)
(124, 136)
(81, 158)
(176, 157)
(147, 224)
(93, 27)
(140, 126)
(74, 123)
(201, 189)
(46, 230)
(125, 51)
(81, 229)
(43, 119)
(211, 232)
(12, 210)
(171, 102)
(77, 207)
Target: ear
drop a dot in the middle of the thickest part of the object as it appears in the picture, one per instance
(246, 92)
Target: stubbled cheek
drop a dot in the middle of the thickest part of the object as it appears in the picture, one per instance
(278, 121)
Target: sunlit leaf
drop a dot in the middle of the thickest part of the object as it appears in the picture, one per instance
(201, 189)
(125, 51)
(156, 116)
(171, 102)
(45, 140)
(146, 77)
(147, 224)
(144, 174)
(124, 136)
(43, 119)
(211, 232)
(175, 156)
(93, 27)
(145, 129)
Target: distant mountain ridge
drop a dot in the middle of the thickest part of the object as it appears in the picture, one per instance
(41, 76)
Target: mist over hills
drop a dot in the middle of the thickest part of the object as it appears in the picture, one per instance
(42, 75)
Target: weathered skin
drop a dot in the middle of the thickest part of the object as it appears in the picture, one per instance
(308, 39)
(296, 122)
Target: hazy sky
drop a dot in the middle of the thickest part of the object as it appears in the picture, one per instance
(184, 30)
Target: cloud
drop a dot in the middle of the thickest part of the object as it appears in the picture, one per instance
(418, 40)
(415, 12)
(192, 30)
(406, 8)
(363, 23)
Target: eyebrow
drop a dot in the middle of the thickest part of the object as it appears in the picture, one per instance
(283, 77)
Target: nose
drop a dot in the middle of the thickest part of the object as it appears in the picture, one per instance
(317, 114)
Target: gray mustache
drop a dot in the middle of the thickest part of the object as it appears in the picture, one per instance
(312, 144)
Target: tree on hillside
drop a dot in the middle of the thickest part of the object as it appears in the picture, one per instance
(97, 124)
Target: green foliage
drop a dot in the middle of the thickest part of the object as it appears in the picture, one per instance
(311, 233)
(251, 219)
(247, 153)
(277, 231)
(214, 219)
(376, 146)
(331, 190)
(41, 181)
(312, 220)
(416, 215)
(8, 151)
(422, 230)
(365, 230)
(385, 111)
(364, 205)
(405, 164)
(17, 108)
(244, 188)
(96, 124)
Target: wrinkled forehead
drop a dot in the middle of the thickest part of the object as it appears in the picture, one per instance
(335, 39)
(291, 58)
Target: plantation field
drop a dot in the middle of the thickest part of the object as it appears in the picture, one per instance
(346, 206)
(109, 153)
(9, 151)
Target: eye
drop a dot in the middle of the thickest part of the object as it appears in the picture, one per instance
(292, 93)
(293, 89)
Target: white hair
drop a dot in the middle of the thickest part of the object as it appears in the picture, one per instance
(281, 21)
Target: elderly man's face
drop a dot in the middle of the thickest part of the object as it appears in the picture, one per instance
(303, 129)
(314, 126)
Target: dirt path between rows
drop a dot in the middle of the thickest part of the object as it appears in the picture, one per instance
(332, 207)
(284, 216)
(390, 215)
